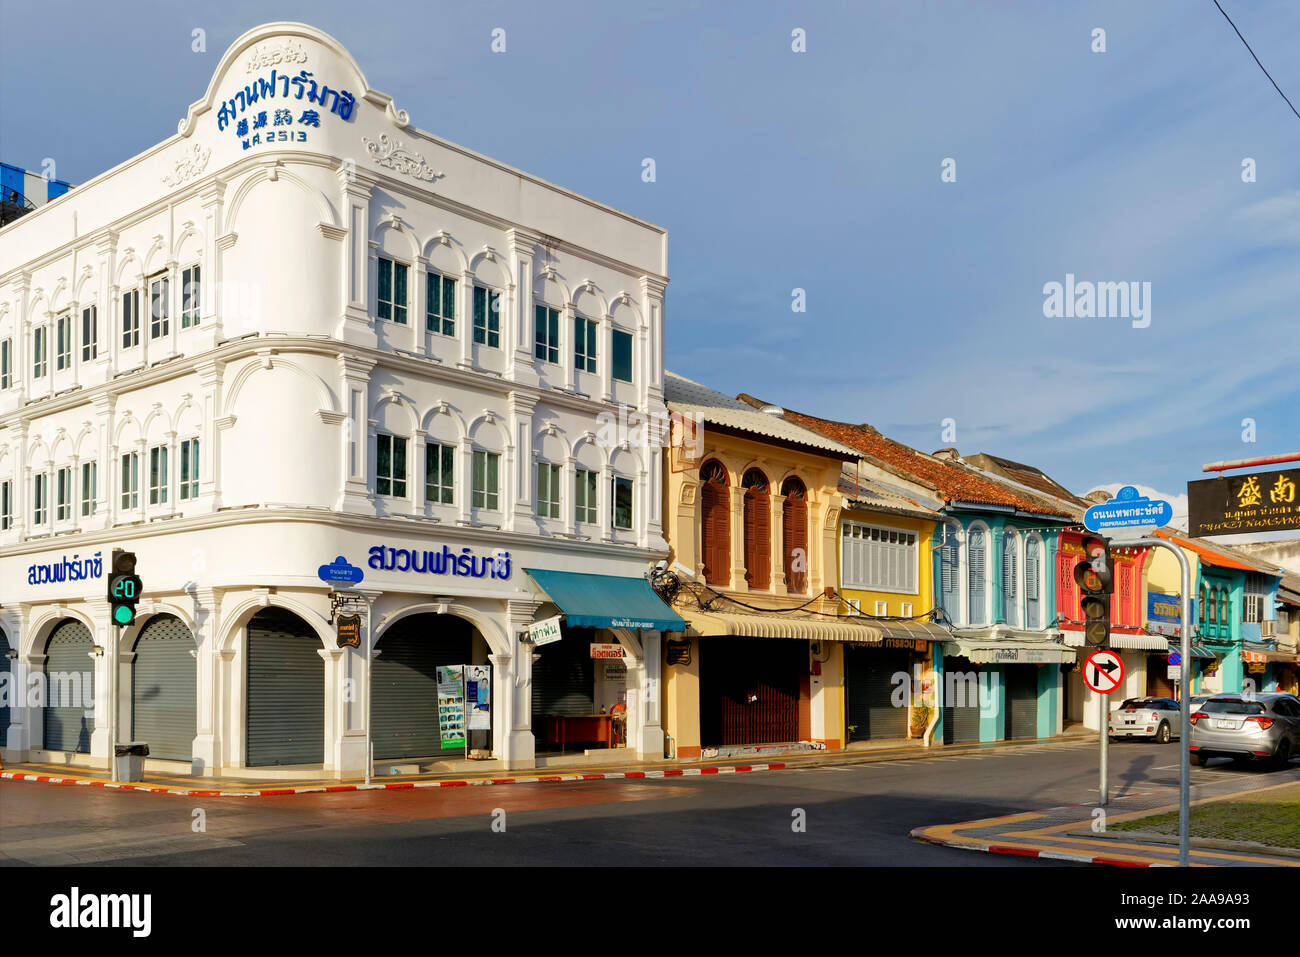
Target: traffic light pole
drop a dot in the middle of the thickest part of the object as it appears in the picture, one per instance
(1103, 787)
(114, 633)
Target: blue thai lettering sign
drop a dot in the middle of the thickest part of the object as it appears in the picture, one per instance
(72, 569)
(339, 572)
(445, 562)
(276, 124)
(1128, 509)
(1168, 608)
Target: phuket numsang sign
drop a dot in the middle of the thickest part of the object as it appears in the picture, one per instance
(1257, 502)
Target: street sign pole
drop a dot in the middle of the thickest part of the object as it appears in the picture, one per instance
(1104, 788)
(1185, 700)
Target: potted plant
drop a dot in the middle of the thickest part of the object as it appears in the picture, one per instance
(918, 720)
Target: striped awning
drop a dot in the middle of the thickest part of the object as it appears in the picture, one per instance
(789, 625)
(1127, 642)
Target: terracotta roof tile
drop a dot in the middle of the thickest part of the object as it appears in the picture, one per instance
(953, 482)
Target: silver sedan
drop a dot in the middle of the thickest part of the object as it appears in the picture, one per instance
(1148, 717)
(1247, 727)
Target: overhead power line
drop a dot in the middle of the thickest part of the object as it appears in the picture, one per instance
(1261, 66)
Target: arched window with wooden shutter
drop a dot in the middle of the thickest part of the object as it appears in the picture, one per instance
(758, 530)
(1033, 579)
(976, 562)
(715, 523)
(949, 568)
(1011, 578)
(794, 534)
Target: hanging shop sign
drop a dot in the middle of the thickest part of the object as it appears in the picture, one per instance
(911, 644)
(451, 706)
(446, 562)
(604, 650)
(1019, 656)
(1258, 502)
(679, 652)
(545, 631)
(348, 631)
(478, 697)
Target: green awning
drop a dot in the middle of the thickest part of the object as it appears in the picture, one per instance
(606, 601)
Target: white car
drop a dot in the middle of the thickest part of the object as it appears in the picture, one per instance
(1148, 717)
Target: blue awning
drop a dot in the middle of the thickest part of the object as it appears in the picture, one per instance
(606, 601)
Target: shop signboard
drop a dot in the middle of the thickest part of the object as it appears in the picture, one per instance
(451, 706)
(604, 650)
(1254, 502)
(478, 697)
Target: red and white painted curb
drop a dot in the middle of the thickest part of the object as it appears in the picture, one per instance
(920, 835)
(399, 785)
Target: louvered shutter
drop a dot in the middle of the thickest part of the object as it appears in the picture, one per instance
(714, 527)
(164, 685)
(1010, 593)
(1031, 585)
(948, 573)
(977, 571)
(758, 538)
(794, 528)
(69, 689)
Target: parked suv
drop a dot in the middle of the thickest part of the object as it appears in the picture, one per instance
(1251, 727)
(1148, 717)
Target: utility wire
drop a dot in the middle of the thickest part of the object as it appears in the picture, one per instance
(1261, 66)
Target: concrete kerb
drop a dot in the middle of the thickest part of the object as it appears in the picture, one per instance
(788, 762)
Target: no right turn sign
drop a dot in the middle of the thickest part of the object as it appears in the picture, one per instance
(1103, 671)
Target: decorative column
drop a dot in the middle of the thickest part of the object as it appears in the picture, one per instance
(519, 748)
(212, 199)
(354, 267)
(465, 319)
(738, 582)
(519, 357)
(520, 512)
(649, 361)
(207, 620)
(354, 374)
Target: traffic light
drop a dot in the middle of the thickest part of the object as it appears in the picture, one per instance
(123, 588)
(1093, 574)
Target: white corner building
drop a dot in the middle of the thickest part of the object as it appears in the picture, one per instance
(298, 330)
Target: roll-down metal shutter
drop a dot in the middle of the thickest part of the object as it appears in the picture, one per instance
(869, 676)
(564, 679)
(961, 718)
(286, 692)
(1022, 701)
(164, 679)
(404, 707)
(69, 688)
(749, 690)
(5, 679)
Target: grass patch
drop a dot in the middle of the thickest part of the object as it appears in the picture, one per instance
(1271, 818)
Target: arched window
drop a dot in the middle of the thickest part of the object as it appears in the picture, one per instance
(1201, 615)
(1011, 578)
(1225, 615)
(1033, 577)
(758, 530)
(715, 523)
(949, 570)
(1212, 606)
(975, 562)
(794, 534)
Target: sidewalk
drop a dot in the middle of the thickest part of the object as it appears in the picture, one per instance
(243, 787)
(1073, 833)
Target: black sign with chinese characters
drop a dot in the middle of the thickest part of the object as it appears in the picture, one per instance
(349, 630)
(1257, 502)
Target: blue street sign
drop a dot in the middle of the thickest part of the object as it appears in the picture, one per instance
(339, 572)
(1175, 658)
(1128, 510)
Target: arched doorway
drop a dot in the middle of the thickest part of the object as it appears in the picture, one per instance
(164, 679)
(286, 691)
(404, 686)
(69, 688)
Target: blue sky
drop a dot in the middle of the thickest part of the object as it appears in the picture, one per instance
(821, 171)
